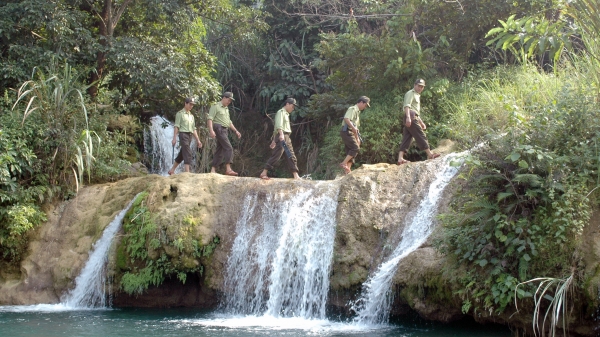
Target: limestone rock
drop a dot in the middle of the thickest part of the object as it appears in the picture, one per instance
(373, 203)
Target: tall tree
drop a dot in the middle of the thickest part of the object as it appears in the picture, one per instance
(33, 32)
(108, 13)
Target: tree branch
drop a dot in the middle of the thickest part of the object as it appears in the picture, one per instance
(119, 12)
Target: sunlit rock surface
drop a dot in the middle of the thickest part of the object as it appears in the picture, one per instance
(373, 202)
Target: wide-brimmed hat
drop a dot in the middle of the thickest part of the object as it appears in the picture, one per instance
(228, 94)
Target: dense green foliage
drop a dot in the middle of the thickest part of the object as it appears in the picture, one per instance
(530, 189)
(150, 253)
(21, 189)
(148, 54)
(525, 200)
(47, 146)
(77, 77)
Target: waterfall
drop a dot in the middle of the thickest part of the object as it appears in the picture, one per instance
(158, 148)
(281, 257)
(90, 285)
(373, 306)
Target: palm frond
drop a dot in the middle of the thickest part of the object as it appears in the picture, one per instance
(557, 308)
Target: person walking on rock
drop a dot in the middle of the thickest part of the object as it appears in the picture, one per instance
(281, 142)
(413, 124)
(350, 132)
(185, 128)
(218, 123)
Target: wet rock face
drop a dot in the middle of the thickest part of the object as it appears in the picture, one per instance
(373, 204)
(59, 248)
(172, 293)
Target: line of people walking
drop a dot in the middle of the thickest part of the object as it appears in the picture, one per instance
(219, 122)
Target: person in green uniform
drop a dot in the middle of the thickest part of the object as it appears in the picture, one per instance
(350, 131)
(281, 138)
(218, 123)
(185, 128)
(413, 124)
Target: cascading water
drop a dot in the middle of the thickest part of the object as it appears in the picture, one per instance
(90, 285)
(280, 260)
(278, 268)
(158, 149)
(373, 307)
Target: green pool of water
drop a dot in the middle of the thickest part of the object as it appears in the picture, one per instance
(52, 321)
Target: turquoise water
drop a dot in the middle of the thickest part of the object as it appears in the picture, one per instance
(49, 322)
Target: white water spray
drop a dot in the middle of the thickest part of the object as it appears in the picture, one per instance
(373, 307)
(158, 147)
(280, 260)
(91, 285)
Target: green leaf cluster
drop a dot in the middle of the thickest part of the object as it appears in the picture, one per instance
(32, 32)
(23, 185)
(531, 36)
(358, 62)
(149, 253)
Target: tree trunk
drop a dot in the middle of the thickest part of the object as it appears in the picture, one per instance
(109, 17)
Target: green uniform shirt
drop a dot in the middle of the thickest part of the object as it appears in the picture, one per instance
(353, 114)
(412, 100)
(282, 122)
(219, 114)
(184, 121)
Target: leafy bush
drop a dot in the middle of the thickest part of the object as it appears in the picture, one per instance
(23, 185)
(47, 145)
(527, 193)
(149, 253)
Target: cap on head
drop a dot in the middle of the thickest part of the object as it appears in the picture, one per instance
(190, 100)
(291, 101)
(420, 81)
(365, 99)
(228, 94)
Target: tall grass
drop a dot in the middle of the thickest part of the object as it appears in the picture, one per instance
(586, 14)
(530, 193)
(492, 102)
(513, 96)
(57, 99)
(50, 146)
